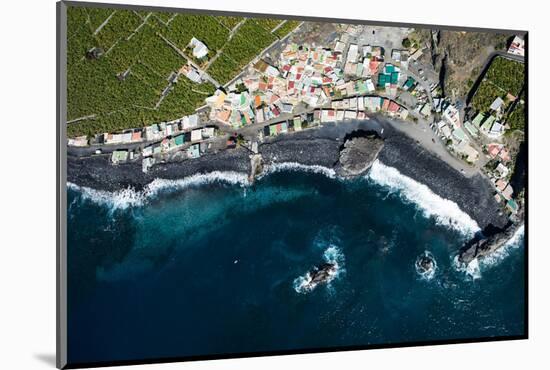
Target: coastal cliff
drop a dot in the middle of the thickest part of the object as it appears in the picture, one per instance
(483, 247)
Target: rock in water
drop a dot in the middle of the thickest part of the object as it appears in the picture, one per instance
(425, 263)
(425, 266)
(486, 246)
(318, 275)
(323, 273)
(358, 154)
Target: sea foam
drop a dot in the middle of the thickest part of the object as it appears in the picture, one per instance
(475, 268)
(129, 197)
(470, 270)
(426, 275)
(120, 199)
(294, 166)
(500, 254)
(333, 255)
(444, 211)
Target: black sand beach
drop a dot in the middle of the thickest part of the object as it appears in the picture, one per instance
(310, 147)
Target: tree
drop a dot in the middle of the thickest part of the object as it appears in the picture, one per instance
(240, 139)
(406, 43)
(241, 87)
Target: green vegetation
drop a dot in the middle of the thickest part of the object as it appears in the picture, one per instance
(507, 74)
(241, 87)
(205, 28)
(122, 88)
(96, 16)
(249, 40)
(286, 28)
(126, 84)
(182, 99)
(486, 93)
(503, 76)
(120, 26)
(229, 22)
(164, 16)
(223, 69)
(406, 43)
(516, 118)
(268, 24)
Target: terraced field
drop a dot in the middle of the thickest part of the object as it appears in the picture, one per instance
(503, 76)
(119, 63)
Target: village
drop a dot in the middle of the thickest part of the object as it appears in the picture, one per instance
(306, 86)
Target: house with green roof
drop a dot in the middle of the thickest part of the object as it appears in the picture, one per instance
(194, 151)
(179, 140)
(390, 75)
(383, 79)
(488, 123)
(408, 84)
(478, 120)
(460, 134)
(471, 129)
(119, 156)
(512, 206)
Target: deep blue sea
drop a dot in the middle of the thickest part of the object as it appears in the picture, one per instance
(210, 265)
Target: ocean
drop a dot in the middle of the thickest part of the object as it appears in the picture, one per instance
(211, 265)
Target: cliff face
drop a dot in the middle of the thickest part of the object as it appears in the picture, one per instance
(484, 247)
(458, 56)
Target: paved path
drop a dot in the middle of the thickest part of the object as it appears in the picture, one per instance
(430, 141)
(182, 54)
(104, 23)
(219, 52)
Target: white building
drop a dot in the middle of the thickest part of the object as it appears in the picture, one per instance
(496, 130)
(517, 47)
(452, 115)
(340, 46)
(353, 53)
(207, 132)
(196, 135)
(78, 141)
(199, 48)
(497, 103)
(189, 122)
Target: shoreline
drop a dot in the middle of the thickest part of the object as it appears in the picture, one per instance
(314, 147)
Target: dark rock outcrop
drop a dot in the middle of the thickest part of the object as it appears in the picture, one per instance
(425, 263)
(358, 153)
(482, 247)
(321, 274)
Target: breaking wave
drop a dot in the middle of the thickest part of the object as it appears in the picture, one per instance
(120, 199)
(332, 255)
(129, 197)
(444, 211)
(500, 254)
(470, 270)
(426, 274)
(294, 166)
(475, 268)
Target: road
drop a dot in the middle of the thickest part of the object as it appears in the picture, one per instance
(431, 142)
(182, 54)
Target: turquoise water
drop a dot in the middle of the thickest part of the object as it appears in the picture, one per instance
(209, 265)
